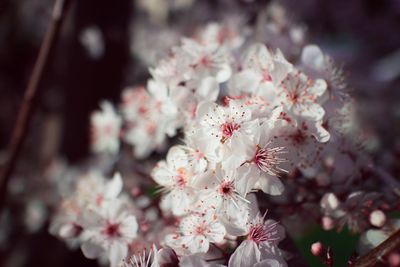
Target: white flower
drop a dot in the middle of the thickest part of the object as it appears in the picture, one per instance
(93, 189)
(217, 34)
(262, 73)
(300, 96)
(261, 245)
(228, 124)
(225, 192)
(176, 177)
(196, 231)
(207, 60)
(265, 159)
(318, 65)
(142, 112)
(106, 126)
(202, 151)
(108, 230)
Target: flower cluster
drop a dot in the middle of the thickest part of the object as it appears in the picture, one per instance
(248, 116)
(249, 120)
(98, 217)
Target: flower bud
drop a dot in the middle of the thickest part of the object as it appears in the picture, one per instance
(317, 249)
(377, 218)
(394, 259)
(69, 230)
(327, 223)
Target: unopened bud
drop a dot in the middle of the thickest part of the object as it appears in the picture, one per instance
(70, 230)
(377, 218)
(327, 223)
(317, 249)
(394, 259)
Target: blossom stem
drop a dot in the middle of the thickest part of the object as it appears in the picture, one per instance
(26, 109)
(376, 255)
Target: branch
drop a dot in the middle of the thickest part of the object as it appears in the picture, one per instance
(26, 109)
(375, 256)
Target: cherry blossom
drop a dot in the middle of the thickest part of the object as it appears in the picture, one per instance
(108, 230)
(106, 126)
(196, 231)
(260, 247)
(176, 178)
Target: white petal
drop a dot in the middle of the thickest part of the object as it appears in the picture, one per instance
(313, 58)
(271, 185)
(208, 89)
(246, 255)
(129, 227)
(91, 250)
(118, 251)
(114, 186)
(216, 232)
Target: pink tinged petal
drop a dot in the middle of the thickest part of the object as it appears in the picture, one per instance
(114, 186)
(196, 244)
(258, 57)
(70, 230)
(91, 250)
(177, 157)
(118, 251)
(163, 175)
(181, 202)
(280, 71)
(216, 232)
(246, 255)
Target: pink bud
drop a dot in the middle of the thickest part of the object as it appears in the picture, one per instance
(317, 249)
(327, 223)
(136, 191)
(377, 218)
(394, 259)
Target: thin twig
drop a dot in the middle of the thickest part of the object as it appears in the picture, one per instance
(26, 108)
(375, 256)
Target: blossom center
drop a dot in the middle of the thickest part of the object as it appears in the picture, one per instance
(228, 128)
(266, 76)
(261, 233)
(200, 230)
(226, 188)
(112, 230)
(268, 159)
(180, 179)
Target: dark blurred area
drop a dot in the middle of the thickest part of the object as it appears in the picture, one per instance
(361, 35)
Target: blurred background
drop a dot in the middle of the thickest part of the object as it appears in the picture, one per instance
(105, 46)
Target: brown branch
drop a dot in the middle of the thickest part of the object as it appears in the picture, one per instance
(26, 109)
(375, 256)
